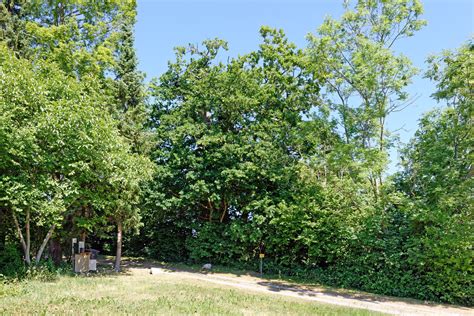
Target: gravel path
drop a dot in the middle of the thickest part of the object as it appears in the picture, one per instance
(377, 303)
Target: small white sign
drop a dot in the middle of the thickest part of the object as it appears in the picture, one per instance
(81, 245)
(74, 240)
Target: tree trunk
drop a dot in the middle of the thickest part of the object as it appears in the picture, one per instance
(224, 210)
(4, 220)
(22, 239)
(28, 238)
(45, 242)
(381, 148)
(210, 210)
(55, 251)
(118, 254)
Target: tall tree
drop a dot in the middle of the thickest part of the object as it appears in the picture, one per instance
(438, 177)
(132, 116)
(226, 149)
(40, 116)
(87, 40)
(60, 152)
(129, 91)
(80, 36)
(365, 79)
(12, 26)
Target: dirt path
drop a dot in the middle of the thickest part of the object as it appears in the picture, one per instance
(346, 298)
(366, 301)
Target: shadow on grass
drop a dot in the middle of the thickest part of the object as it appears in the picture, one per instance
(305, 290)
(271, 282)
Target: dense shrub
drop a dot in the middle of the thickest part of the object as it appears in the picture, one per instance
(12, 267)
(11, 262)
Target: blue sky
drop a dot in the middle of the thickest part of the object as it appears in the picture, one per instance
(164, 24)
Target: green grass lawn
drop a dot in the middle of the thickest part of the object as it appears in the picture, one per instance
(145, 294)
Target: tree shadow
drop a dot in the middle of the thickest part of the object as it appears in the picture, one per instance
(311, 291)
(269, 282)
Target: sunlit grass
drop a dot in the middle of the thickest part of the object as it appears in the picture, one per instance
(146, 294)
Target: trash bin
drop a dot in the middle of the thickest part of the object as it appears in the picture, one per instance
(94, 253)
(93, 259)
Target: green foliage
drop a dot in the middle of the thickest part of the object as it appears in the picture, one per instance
(11, 264)
(13, 268)
(365, 80)
(79, 36)
(438, 178)
(226, 137)
(281, 151)
(62, 155)
(63, 159)
(45, 272)
(129, 92)
(284, 152)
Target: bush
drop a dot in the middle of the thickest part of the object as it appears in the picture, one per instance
(45, 271)
(395, 250)
(13, 268)
(11, 263)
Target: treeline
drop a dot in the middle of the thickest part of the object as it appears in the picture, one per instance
(282, 150)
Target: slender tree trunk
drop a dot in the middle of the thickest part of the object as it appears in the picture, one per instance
(45, 242)
(22, 239)
(118, 255)
(55, 251)
(28, 238)
(373, 183)
(3, 233)
(210, 209)
(381, 140)
(224, 211)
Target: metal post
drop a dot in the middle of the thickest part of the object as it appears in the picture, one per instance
(74, 241)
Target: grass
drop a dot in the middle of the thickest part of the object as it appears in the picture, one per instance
(145, 294)
(298, 280)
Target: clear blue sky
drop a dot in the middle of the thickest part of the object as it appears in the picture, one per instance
(164, 24)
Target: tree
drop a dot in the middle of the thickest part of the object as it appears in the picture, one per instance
(132, 117)
(29, 186)
(61, 154)
(79, 36)
(226, 136)
(12, 26)
(124, 198)
(365, 79)
(129, 90)
(437, 176)
(87, 40)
